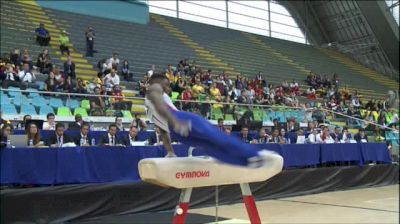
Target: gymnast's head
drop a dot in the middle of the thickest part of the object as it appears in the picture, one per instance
(161, 79)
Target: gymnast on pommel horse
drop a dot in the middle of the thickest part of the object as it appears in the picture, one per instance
(232, 162)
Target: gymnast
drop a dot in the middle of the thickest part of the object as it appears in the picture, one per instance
(195, 131)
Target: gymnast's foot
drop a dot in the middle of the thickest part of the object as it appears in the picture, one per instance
(260, 160)
(170, 155)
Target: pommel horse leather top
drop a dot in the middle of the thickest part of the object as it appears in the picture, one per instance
(190, 172)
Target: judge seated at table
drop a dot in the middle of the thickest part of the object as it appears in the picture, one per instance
(155, 137)
(83, 138)
(325, 136)
(58, 138)
(361, 136)
(345, 136)
(313, 136)
(111, 138)
(132, 137)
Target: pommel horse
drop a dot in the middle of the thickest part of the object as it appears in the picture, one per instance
(187, 173)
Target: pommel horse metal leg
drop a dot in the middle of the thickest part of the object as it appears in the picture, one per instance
(248, 199)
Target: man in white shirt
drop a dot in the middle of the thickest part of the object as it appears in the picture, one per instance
(111, 79)
(27, 78)
(131, 137)
(113, 61)
(314, 137)
(50, 124)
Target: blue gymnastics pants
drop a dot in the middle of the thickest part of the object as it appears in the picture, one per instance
(205, 136)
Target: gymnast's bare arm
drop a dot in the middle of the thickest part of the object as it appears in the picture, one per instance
(155, 95)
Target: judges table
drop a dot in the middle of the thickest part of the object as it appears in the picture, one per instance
(119, 164)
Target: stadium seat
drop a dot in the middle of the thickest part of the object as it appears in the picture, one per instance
(40, 85)
(45, 109)
(8, 109)
(229, 117)
(56, 102)
(71, 103)
(174, 96)
(28, 109)
(64, 112)
(85, 104)
(14, 93)
(127, 114)
(39, 101)
(4, 99)
(81, 111)
(33, 94)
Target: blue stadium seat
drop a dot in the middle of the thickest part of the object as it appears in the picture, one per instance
(56, 102)
(4, 99)
(32, 93)
(28, 109)
(14, 93)
(45, 109)
(39, 101)
(8, 109)
(40, 85)
(73, 104)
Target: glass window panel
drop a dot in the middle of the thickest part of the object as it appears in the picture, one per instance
(245, 10)
(212, 4)
(276, 27)
(200, 19)
(247, 21)
(201, 10)
(286, 37)
(283, 19)
(248, 29)
(276, 7)
(262, 5)
(167, 8)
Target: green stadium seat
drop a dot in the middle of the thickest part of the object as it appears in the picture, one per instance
(64, 112)
(85, 104)
(174, 96)
(127, 114)
(229, 117)
(81, 111)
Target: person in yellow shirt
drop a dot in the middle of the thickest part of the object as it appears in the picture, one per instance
(197, 89)
(214, 92)
(64, 42)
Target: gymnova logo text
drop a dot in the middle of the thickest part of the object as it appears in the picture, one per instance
(192, 174)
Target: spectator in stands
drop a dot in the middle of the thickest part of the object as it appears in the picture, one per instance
(97, 105)
(44, 62)
(11, 78)
(263, 137)
(28, 78)
(42, 35)
(118, 99)
(111, 138)
(215, 92)
(27, 58)
(90, 36)
(15, 57)
(118, 123)
(220, 124)
(69, 68)
(81, 87)
(138, 123)
(114, 61)
(313, 136)
(76, 126)
(361, 136)
(33, 134)
(228, 131)
(6, 130)
(64, 42)
(65, 86)
(345, 136)
(355, 101)
(111, 79)
(84, 138)
(197, 89)
(311, 96)
(125, 71)
(50, 84)
(244, 135)
(132, 137)
(143, 85)
(186, 96)
(58, 138)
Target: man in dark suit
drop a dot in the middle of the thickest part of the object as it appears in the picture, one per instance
(345, 135)
(76, 126)
(361, 136)
(335, 135)
(244, 135)
(58, 138)
(83, 139)
(131, 137)
(111, 138)
(155, 137)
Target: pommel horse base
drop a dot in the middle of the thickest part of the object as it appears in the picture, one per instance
(187, 173)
